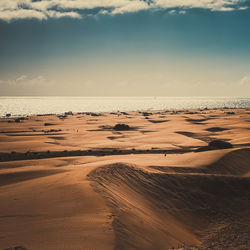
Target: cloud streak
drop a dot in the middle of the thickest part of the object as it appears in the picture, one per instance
(245, 80)
(24, 80)
(26, 85)
(44, 9)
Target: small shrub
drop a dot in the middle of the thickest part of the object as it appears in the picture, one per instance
(121, 127)
(219, 144)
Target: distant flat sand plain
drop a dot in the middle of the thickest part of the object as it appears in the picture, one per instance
(73, 182)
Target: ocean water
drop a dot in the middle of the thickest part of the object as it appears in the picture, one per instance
(22, 106)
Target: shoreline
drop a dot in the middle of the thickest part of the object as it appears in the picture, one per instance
(182, 110)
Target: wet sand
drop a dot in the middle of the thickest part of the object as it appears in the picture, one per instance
(74, 182)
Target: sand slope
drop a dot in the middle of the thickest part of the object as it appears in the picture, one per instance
(163, 210)
(52, 207)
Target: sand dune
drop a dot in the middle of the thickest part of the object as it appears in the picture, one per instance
(164, 210)
(83, 185)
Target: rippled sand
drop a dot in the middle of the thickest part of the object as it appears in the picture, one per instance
(75, 182)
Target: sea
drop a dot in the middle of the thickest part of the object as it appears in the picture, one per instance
(23, 106)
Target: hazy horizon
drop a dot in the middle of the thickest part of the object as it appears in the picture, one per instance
(125, 48)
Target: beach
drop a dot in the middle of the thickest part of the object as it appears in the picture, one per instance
(126, 180)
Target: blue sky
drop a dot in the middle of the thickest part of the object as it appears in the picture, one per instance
(125, 47)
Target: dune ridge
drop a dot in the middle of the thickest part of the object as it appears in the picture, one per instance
(153, 210)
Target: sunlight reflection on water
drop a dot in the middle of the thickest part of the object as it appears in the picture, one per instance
(56, 105)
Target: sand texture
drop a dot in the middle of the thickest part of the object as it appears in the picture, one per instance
(80, 182)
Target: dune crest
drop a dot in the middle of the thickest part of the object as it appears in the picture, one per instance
(173, 210)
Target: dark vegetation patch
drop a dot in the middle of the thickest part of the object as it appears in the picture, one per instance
(157, 121)
(219, 144)
(174, 112)
(214, 116)
(147, 131)
(51, 130)
(18, 120)
(103, 128)
(15, 131)
(116, 137)
(196, 120)
(216, 144)
(121, 127)
(216, 129)
(190, 113)
(49, 124)
(117, 127)
(146, 113)
(14, 156)
(68, 113)
(94, 114)
(45, 114)
(62, 116)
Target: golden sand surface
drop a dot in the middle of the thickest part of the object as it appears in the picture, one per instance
(74, 182)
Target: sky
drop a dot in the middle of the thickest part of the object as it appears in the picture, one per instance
(125, 47)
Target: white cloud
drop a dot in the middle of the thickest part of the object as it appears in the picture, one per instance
(20, 9)
(243, 8)
(177, 12)
(57, 14)
(132, 6)
(24, 80)
(21, 78)
(8, 15)
(13, 4)
(220, 5)
(26, 85)
(245, 80)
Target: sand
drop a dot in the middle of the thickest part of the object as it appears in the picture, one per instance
(76, 183)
